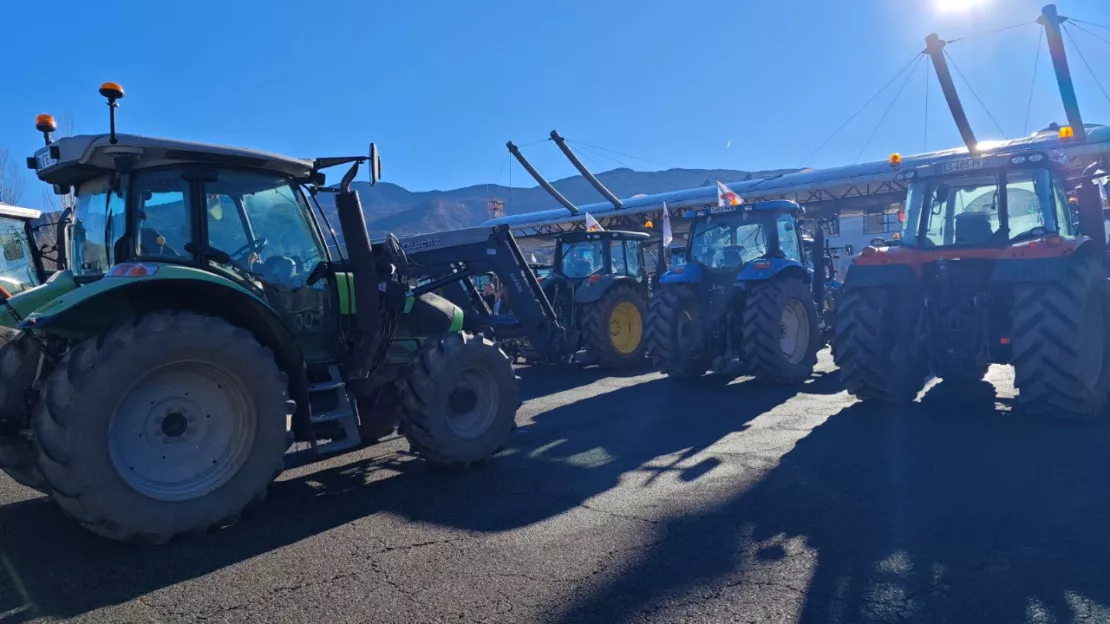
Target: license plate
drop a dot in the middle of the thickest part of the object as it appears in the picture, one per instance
(962, 165)
(43, 159)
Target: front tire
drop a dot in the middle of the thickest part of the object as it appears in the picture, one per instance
(876, 358)
(460, 399)
(781, 332)
(613, 327)
(1061, 346)
(164, 425)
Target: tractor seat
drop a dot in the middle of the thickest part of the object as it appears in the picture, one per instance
(732, 255)
(973, 228)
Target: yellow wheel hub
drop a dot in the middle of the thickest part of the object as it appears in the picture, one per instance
(626, 328)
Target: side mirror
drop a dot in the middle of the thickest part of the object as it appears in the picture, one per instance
(941, 193)
(375, 165)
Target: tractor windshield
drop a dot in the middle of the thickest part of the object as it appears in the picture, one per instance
(583, 258)
(984, 209)
(17, 272)
(728, 241)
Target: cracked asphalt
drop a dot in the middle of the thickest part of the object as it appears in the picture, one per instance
(637, 499)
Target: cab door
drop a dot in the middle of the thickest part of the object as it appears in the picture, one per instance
(259, 227)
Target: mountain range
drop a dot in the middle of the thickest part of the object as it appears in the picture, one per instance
(393, 208)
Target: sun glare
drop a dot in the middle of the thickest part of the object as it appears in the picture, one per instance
(958, 6)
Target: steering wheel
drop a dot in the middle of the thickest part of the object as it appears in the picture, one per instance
(254, 246)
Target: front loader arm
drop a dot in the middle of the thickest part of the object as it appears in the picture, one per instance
(453, 257)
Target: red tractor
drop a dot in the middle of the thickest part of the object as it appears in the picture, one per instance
(993, 267)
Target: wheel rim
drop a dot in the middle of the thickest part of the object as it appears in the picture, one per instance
(472, 403)
(794, 339)
(182, 430)
(1092, 347)
(626, 327)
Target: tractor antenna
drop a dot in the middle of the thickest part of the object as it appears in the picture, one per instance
(113, 92)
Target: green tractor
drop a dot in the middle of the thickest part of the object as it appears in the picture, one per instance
(599, 286)
(204, 328)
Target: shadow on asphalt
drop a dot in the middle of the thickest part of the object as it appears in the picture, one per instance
(953, 509)
(67, 571)
(539, 380)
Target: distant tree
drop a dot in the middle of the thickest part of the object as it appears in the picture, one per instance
(11, 180)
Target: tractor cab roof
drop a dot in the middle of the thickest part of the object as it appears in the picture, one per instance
(22, 214)
(581, 235)
(992, 162)
(73, 160)
(771, 206)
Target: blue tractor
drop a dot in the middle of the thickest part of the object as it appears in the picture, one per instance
(747, 300)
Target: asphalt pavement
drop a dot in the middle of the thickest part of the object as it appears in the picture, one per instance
(637, 499)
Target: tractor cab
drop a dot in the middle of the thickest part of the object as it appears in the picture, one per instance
(21, 268)
(581, 255)
(985, 202)
(743, 242)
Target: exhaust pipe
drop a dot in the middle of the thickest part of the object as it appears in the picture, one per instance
(361, 257)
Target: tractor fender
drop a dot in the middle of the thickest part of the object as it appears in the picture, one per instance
(859, 275)
(689, 273)
(27, 301)
(428, 315)
(1037, 261)
(590, 292)
(88, 310)
(765, 269)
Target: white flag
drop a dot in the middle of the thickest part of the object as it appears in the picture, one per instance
(592, 225)
(667, 236)
(726, 197)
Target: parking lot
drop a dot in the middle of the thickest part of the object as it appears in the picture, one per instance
(637, 499)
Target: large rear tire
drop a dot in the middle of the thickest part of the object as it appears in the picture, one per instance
(19, 360)
(873, 347)
(613, 327)
(781, 332)
(1061, 344)
(675, 335)
(164, 425)
(460, 399)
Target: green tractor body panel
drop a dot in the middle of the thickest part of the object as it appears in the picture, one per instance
(32, 299)
(78, 310)
(589, 292)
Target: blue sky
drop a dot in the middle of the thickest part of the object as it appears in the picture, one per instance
(440, 85)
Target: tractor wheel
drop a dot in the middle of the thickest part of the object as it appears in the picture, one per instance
(781, 330)
(677, 344)
(166, 424)
(19, 358)
(613, 327)
(1061, 354)
(460, 399)
(870, 324)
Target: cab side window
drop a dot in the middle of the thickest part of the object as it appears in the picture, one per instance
(788, 238)
(633, 258)
(162, 214)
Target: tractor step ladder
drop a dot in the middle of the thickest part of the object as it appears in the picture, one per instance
(343, 414)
